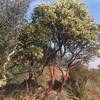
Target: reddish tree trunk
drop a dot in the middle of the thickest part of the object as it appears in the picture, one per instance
(47, 93)
(65, 76)
(30, 97)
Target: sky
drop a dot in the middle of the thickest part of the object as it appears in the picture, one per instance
(93, 7)
(33, 4)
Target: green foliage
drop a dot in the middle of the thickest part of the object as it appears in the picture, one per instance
(11, 19)
(3, 44)
(61, 30)
(70, 27)
(68, 17)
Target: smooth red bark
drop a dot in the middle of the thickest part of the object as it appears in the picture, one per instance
(52, 72)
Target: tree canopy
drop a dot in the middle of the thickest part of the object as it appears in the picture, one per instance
(64, 26)
(63, 30)
(61, 35)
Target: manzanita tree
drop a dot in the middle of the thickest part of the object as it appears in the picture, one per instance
(61, 34)
(71, 31)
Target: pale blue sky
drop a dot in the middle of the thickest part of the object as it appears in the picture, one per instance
(33, 4)
(93, 7)
(94, 63)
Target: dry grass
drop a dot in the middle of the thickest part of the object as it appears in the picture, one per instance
(12, 92)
